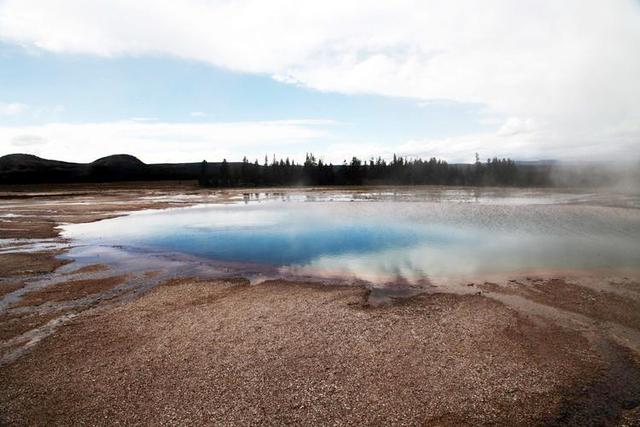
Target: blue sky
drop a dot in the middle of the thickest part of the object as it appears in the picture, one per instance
(78, 88)
(211, 79)
(168, 89)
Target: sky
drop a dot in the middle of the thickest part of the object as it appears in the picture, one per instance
(212, 79)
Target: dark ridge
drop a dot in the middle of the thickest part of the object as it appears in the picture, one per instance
(118, 160)
(119, 167)
(24, 161)
(29, 169)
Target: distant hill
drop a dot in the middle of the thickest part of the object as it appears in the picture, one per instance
(26, 168)
(119, 167)
(30, 169)
(27, 161)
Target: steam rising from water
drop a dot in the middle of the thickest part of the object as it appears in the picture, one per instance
(612, 177)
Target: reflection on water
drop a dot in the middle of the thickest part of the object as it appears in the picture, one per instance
(386, 236)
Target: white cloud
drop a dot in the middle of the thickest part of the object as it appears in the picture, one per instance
(515, 138)
(198, 114)
(27, 140)
(160, 142)
(565, 71)
(517, 126)
(157, 142)
(143, 119)
(12, 109)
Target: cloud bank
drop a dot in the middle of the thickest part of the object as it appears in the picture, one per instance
(151, 141)
(558, 74)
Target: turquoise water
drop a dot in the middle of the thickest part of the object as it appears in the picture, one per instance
(387, 236)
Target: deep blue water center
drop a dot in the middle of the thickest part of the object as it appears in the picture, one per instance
(285, 244)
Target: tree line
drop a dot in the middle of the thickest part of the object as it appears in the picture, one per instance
(399, 171)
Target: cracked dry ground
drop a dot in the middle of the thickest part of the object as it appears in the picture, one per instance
(192, 351)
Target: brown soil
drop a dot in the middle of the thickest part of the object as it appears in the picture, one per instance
(281, 353)
(70, 290)
(16, 263)
(628, 285)
(10, 229)
(605, 306)
(93, 268)
(8, 287)
(12, 326)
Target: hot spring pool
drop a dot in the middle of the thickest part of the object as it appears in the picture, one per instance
(383, 236)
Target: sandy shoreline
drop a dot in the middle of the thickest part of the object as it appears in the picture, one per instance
(92, 346)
